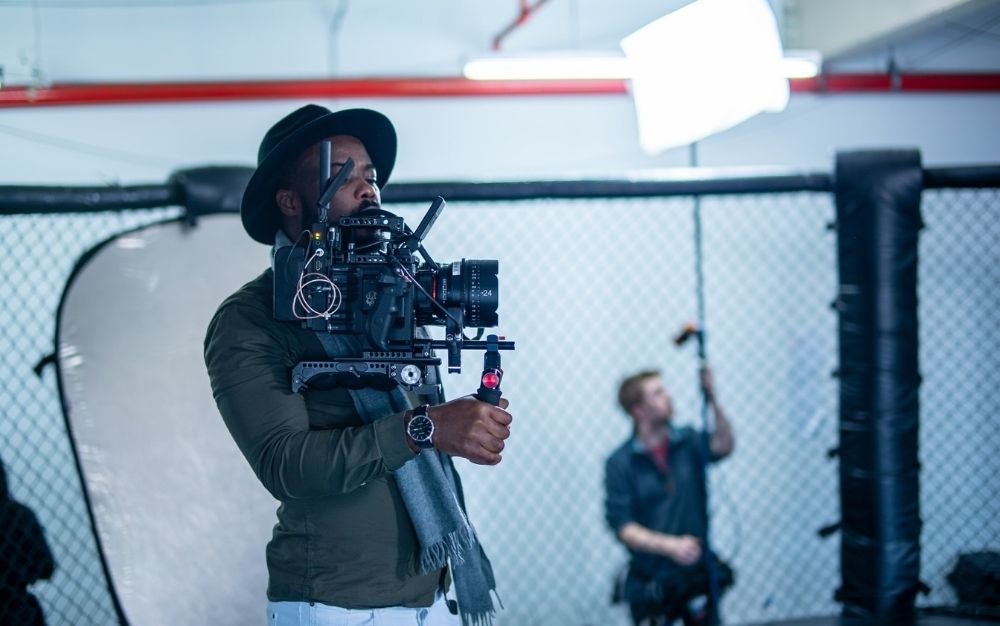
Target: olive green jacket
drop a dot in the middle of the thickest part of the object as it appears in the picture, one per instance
(343, 535)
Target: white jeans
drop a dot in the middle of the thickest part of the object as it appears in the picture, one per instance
(317, 614)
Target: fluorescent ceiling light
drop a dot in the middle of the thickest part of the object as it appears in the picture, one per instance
(704, 68)
(568, 66)
(553, 66)
(801, 63)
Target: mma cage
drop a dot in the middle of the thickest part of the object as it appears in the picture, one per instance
(851, 320)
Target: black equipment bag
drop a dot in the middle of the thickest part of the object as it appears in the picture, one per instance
(976, 578)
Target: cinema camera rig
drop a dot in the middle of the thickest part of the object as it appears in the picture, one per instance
(361, 277)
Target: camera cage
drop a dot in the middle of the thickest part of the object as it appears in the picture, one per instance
(360, 277)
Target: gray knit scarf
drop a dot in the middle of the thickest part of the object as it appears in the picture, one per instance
(432, 492)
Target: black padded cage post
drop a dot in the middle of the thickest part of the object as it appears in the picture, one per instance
(878, 222)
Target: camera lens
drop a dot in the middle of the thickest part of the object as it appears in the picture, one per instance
(469, 284)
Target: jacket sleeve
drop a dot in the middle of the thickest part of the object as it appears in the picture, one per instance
(618, 506)
(249, 361)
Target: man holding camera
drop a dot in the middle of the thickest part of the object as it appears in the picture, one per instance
(372, 523)
(656, 505)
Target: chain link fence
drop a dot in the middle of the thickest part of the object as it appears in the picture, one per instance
(39, 255)
(959, 308)
(592, 291)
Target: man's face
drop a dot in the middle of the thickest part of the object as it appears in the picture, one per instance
(359, 191)
(656, 407)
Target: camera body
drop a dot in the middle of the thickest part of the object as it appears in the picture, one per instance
(361, 278)
(369, 276)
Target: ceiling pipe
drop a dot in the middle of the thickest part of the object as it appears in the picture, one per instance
(525, 11)
(139, 93)
(147, 93)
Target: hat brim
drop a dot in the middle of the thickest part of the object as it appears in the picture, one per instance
(259, 211)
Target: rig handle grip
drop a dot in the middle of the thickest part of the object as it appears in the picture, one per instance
(489, 382)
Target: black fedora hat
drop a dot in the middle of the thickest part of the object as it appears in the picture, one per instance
(287, 139)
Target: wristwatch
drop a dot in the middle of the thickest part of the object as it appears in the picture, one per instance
(420, 428)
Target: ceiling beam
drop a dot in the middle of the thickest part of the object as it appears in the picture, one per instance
(848, 27)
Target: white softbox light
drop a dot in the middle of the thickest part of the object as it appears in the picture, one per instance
(704, 68)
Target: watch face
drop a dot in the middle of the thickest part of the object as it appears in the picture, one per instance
(420, 430)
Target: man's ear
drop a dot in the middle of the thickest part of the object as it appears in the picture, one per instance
(288, 202)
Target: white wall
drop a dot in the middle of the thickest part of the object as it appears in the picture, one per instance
(441, 138)
(497, 138)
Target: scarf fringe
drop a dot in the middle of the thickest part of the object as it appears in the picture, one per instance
(454, 544)
(478, 619)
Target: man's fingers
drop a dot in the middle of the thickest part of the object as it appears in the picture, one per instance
(494, 445)
(501, 416)
(496, 429)
(484, 457)
(689, 550)
(489, 436)
(491, 460)
(690, 554)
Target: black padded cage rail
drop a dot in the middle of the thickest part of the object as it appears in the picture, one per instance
(212, 189)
